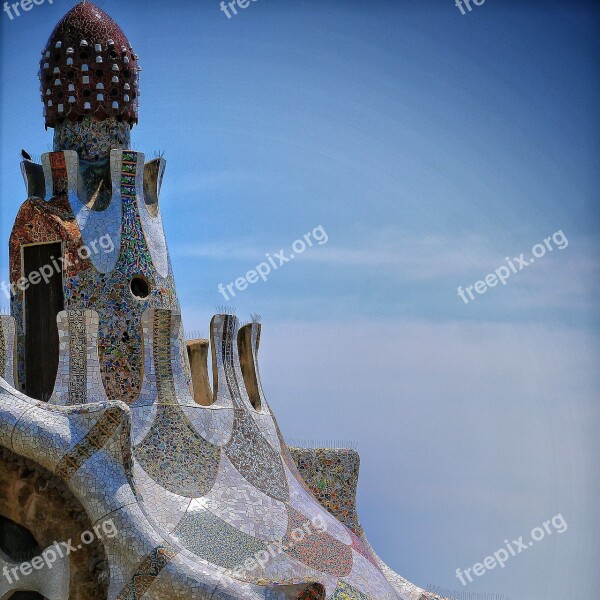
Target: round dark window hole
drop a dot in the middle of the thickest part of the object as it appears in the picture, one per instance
(87, 93)
(139, 287)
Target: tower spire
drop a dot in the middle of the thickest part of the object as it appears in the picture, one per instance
(89, 69)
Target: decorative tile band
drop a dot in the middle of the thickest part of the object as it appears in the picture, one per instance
(2, 352)
(147, 572)
(77, 357)
(78, 378)
(162, 357)
(94, 440)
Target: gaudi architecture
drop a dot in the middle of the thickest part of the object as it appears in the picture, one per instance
(124, 473)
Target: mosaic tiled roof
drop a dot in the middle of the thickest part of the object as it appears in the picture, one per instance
(89, 68)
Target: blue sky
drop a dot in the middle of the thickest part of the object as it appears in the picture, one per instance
(429, 146)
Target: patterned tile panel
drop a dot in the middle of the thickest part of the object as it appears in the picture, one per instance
(215, 540)
(176, 457)
(94, 440)
(110, 294)
(305, 503)
(318, 550)
(332, 476)
(173, 453)
(78, 379)
(147, 572)
(244, 507)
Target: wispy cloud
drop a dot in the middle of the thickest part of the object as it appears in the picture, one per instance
(419, 257)
(416, 258)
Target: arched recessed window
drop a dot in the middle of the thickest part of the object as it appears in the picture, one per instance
(19, 545)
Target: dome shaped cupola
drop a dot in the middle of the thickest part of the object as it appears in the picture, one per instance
(89, 69)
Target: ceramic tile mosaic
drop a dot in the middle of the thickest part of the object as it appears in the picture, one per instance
(263, 417)
(332, 476)
(245, 507)
(216, 541)
(52, 580)
(345, 591)
(78, 379)
(152, 227)
(305, 503)
(148, 571)
(92, 442)
(206, 501)
(318, 550)
(370, 582)
(100, 229)
(263, 467)
(162, 507)
(95, 138)
(8, 333)
(3, 353)
(175, 456)
(120, 341)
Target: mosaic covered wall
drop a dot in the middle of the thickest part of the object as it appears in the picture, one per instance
(103, 252)
(332, 477)
(216, 482)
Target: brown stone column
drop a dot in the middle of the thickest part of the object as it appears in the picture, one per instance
(198, 355)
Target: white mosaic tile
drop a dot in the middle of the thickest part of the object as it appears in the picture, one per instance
(244, 507)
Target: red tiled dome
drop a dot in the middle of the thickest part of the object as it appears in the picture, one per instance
(89, 68)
